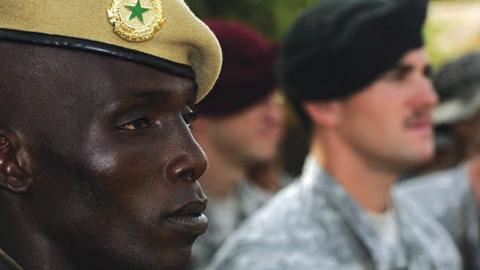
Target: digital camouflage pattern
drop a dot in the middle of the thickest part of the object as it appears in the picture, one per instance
(248, 198)
(448, 196)
(314, 224)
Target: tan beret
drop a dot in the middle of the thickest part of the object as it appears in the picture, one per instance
(161, 33)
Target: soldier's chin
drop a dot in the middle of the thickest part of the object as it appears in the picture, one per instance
(414, 162)
(266, 154)
(261, 159)
(176, 260)
(426, 152)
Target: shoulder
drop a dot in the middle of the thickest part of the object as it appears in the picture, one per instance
(295, 214)
(436, 193)
(268, 256)
(278, 220)
(426, 234)
(441, 180)
(268, 240)
(295, 230)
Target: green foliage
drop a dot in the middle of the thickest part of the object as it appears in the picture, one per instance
(271, 17)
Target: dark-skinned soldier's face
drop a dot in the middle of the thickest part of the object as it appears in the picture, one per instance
(108, 162)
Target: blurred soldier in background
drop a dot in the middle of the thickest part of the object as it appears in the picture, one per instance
(452, 195)
(239, 126)
(358, 73)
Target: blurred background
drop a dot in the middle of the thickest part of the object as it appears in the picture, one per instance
(453, 27)
(452, 30)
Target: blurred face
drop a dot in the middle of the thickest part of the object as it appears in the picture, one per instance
(389, 122)
(468, 131)
(252, 135)
(114, 165)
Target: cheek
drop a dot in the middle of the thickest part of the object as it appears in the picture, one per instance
(122, 161)
(107, 191)
(64, 199)
(375, 125)
(381, 108)
(128, 176)
(240, 136)
(364, 120)
(387, 118)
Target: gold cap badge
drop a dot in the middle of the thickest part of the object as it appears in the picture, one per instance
(136, 20)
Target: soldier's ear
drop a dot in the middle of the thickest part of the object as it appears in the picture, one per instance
(324, 113)
(13, 177)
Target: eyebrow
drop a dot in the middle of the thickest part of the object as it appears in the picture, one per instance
(403, 68)
(147, 96)
(139, 97)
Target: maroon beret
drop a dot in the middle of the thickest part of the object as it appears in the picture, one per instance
(247, 74)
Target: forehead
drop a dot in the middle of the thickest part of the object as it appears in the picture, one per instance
(415, 57)
(413, 61)
(60, 73)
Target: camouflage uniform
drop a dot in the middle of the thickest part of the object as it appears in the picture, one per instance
(314, 224)
(7, 263)
(247, 198)
(448, 196)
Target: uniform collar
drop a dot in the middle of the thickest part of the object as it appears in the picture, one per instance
(316, 178)
(7, 263)
(418, 233)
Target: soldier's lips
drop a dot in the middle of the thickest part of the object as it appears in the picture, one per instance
(419, 124)
(189, 218)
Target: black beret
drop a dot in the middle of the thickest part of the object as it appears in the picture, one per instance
(340, 46)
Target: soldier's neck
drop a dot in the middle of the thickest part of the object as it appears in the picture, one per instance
(24, 242)
(473, 170)
(367, 183)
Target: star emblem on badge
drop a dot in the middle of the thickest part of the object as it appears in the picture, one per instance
(137, 11)
(136, 20)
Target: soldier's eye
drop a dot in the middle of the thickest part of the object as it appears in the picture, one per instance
(140, 123)
(398, 73)
(428, 72)
(189, 115)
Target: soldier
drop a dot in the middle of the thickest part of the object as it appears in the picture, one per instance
(238, 125)
(358, 73)
(452, 195)
(98, 166)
